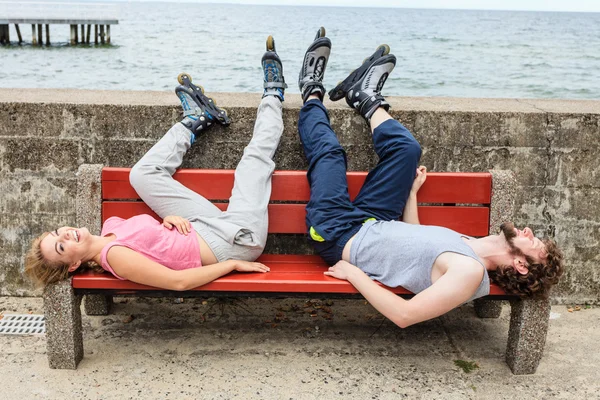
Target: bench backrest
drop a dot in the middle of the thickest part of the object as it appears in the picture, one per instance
(459, 201)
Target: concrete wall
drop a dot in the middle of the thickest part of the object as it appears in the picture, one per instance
(553, 147)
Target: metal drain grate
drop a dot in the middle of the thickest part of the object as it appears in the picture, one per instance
(22, 324)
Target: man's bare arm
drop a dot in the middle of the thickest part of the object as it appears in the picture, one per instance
(411, 212)
(410, 215)
(451, 290)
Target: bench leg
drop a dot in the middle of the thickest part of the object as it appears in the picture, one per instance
(97, 304)
(527, 334)
(488, 308)
(64, 340)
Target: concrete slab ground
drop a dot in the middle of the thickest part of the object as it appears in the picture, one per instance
(296, 349)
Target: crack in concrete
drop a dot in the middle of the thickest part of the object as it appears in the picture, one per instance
(532, 105)
(550, 129)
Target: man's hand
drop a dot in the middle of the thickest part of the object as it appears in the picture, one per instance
(341, 270)
(419, 179)
(182, 224)
(247, 266)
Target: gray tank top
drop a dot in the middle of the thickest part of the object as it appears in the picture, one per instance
(400, 254)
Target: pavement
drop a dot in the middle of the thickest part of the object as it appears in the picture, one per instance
(296, 349)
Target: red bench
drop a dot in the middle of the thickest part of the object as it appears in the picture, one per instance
(460, 201)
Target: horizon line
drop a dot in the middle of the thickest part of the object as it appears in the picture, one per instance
(258, 3)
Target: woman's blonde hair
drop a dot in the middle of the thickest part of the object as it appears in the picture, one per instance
(42, 271)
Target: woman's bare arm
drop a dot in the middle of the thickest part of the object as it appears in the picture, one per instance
(135, 267)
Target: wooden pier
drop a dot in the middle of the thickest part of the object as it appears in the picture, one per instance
(79, 16)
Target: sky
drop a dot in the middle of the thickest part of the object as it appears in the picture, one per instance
(525, 5)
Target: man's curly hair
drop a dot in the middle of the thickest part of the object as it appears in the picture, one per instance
(540, 278)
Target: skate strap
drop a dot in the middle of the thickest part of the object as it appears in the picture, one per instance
(270, 85)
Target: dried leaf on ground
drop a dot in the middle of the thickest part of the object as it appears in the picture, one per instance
(569, 309)
(128, 319)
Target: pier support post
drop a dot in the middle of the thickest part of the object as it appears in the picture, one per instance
(87, 37)
(76, 33)
(72, 36)
(96, 34)
(40, 35)
(19, 33)
(4, 35)
(47, 34)
(102, 34)
(33, 35)
(82, 33)
(108, 34)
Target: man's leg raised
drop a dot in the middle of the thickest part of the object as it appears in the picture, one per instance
(387, 186)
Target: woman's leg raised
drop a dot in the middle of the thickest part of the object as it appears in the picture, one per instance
(152, 177)
(248, 204)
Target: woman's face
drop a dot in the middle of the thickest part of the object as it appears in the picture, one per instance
(66, 245)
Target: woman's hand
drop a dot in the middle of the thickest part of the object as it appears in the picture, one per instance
(247, 266)
(419, 179)
(183, 225)
(341, 270)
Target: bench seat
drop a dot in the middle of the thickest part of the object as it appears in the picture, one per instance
(290, 274)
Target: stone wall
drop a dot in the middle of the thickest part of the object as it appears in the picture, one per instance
(553, 146)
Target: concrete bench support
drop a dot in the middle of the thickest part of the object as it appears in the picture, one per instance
(488, 308)
(64, 340)
(97, 304)
(527, 334)
(88, 203)
(502, 210)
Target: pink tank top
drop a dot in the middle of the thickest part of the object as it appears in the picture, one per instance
(150, 238)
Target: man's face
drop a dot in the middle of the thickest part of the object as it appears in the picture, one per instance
(66, 245)
(523, 242)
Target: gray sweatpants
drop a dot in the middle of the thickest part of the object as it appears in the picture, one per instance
(241, 231)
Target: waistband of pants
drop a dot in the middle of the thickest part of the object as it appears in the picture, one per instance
(341, 242)
(218, 245)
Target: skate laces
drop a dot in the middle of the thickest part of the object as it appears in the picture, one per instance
(318, 74)
(271, 72)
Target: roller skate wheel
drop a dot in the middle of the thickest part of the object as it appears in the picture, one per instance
(201, 88)
(212, 101)
(386, 49)
(270, 43)
(322, 32)
(181, 76)
(224, 111)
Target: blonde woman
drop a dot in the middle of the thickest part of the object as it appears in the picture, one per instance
(195, 242)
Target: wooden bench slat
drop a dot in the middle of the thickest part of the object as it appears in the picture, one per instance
(215, 184)
(289, 274)
(289, 218)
